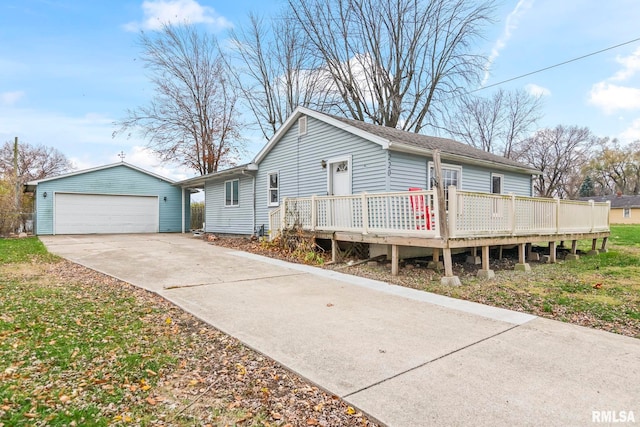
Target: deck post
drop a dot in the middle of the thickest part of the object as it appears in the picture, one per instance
(448, 278)
(336, 256)
(435, 262)
(314, 218)
(394, 260)
(512, 214)
(365, 214)
(485, 272)
(500, 252)
(603, 249)
(283, 215)
(522, 264)
(573, 255)
(552, 252)
(594, 245)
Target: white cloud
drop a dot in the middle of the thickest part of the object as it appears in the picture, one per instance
(160, 12)
(631, 65)
(632, 133)
(11, 98)
(611, 97)
(511, 24)
(535, 90)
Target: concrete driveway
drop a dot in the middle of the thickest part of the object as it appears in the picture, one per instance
(406, 357)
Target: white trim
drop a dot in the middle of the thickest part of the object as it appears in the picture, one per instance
(333, 160)
(430, 165)
(384, 143)
(497, 175)
(232, 205)
(113, 165)
(302, 125)
(269, 189)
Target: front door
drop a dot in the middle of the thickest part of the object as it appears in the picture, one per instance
(340, 179)
(340, 185)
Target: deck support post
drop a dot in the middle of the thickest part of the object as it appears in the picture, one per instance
(394, 260)
(448, 278)
(336, 256)
(500, 252)
(594, 245)
(485, 272)
(435, 262)
(573, 255)
(473, 259)
(522, 265)
(552, 252)
(603, 249)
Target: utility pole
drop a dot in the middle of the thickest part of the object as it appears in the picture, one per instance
(15, 172)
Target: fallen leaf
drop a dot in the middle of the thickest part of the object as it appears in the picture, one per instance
(312, 422)
(276, 416)
(350, 410)
(151, 400)
(168, 321)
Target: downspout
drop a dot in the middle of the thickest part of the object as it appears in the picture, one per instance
(254, 204)
(183, 218)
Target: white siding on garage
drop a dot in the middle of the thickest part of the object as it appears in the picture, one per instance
(99, 213)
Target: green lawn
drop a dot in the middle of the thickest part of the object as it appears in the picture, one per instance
(601, 291)
(80, 348)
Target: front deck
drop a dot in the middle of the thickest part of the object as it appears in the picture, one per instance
(467, 220)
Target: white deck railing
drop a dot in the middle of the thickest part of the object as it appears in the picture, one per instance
(415, 213)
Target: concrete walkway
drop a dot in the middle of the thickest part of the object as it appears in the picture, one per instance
(406, 357)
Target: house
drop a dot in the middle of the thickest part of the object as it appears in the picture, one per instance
(625, 209)
(319, 154)
(115, 198)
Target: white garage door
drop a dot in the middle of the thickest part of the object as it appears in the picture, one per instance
(94, 213)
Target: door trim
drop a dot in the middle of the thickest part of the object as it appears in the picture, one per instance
(333, 161)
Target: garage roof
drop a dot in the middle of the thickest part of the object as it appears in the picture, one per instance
(31, 185)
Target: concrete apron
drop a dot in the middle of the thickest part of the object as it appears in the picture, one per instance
(406, 357)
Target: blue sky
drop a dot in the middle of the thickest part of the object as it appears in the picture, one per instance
(68, 68)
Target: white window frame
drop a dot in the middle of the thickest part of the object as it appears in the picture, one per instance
(350, 171)
(626, 212)
(234, 203)
(497, 175)
(444, 166)
(269, 189)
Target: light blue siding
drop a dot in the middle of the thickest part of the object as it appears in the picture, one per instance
(117, 180)
(298, 162)
(406, 171)
(229, 219)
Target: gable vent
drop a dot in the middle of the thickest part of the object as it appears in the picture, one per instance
(302, 125)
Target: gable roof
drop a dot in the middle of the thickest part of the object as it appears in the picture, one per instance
(399, 140)
(622, 201)
(233, 172)
(31, 184)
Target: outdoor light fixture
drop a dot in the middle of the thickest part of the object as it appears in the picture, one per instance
(165, 198)
(323, 163)
(44, 194)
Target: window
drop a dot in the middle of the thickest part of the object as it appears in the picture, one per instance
(272, 189)
(231, 193)
(450, 176)
(626, 213)
(496, 183)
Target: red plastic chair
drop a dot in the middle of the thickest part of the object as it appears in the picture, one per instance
(421, 210)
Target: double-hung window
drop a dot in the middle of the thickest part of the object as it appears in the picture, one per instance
(273, 183)
(626, 212)
(231, 192)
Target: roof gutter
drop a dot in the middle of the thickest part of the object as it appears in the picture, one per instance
(404, 148)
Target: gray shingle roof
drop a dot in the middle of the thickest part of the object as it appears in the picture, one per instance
(416, 140)
(623, 201)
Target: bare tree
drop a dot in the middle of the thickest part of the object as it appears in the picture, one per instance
(560, 154)
(193, 118)
(278, 71)
(496, 124)
(34, 162)
(395, 63)
(615, 168)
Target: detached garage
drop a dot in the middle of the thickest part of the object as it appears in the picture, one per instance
(116, 198)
